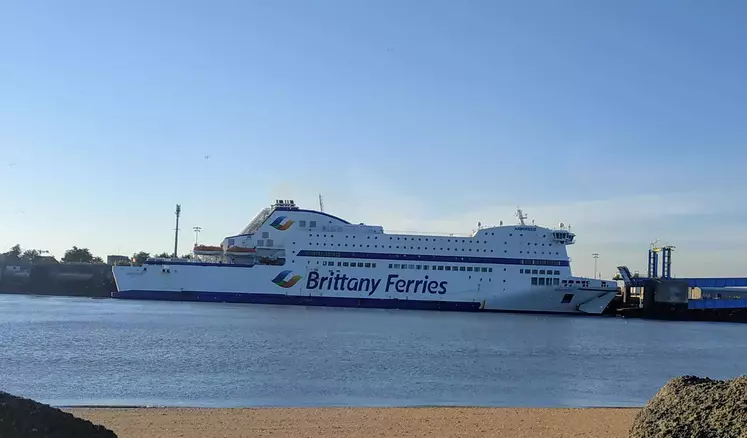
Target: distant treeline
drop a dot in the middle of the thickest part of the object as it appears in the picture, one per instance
(75, 255)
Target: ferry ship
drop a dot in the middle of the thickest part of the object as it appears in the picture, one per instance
(289, 255)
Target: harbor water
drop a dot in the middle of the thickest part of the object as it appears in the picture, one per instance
(80, 351)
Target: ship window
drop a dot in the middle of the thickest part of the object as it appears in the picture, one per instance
(534, 281)
(469, 268)
(567, 298)
(418, 267)
(396, 266)
(462, 268)
(344, 263)
(368, 265)
(265, 234)
(541, 281)
(448, 268)
(390, 266)
(312, 224)
(324, 263)
(260, 242)
(440, 268)
(339, 263)
(557, 272)
(360, 264)
(410, 266)
(542, 271)
(373, 265)
(490, 269)
(555, 281)
(302, 224)
(484, 269)
(425, 267)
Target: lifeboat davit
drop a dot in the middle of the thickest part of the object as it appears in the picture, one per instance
(207, 250)
(240, 250)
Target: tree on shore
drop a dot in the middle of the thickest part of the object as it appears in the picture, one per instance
(140, 257)
(78, 255)
(29, 255)
(14, 253)
(163, 255)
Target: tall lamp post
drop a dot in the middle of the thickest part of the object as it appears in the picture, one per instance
(596, 258)
(197, 233)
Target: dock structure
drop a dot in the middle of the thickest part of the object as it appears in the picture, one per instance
(681, 298)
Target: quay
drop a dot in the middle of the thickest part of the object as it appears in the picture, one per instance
(683, 299)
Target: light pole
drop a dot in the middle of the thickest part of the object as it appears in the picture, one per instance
(197, 233)
(596, 257)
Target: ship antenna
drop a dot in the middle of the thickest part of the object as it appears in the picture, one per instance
(520, 214)
(321, 203)
(178, 213)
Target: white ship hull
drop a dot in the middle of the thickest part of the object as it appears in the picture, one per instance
(287, 255)
(179, 281)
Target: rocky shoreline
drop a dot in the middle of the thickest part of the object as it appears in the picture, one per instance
(24, 418)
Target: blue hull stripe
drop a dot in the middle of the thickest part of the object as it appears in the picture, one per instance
(431, 258)
(298, 300)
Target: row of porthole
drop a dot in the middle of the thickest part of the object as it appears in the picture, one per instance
(425, 248)
(421, 238)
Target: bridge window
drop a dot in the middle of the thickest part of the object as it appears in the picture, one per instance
(534, 281)
(555, 281)
(541, 281)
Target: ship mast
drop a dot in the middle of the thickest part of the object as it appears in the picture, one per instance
(520, 214)
(321, 203)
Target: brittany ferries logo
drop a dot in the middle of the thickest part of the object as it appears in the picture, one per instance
(281, 281)
(279, 225)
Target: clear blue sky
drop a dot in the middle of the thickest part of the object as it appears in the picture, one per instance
(626, 119)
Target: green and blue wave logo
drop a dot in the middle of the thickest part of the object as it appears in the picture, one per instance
(278, 223)
(281, 281)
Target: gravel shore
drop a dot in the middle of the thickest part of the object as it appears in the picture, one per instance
(361, 422)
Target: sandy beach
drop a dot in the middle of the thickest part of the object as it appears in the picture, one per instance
(360, 422)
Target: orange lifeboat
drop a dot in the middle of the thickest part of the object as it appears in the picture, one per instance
(207, 250)
(240, 250)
